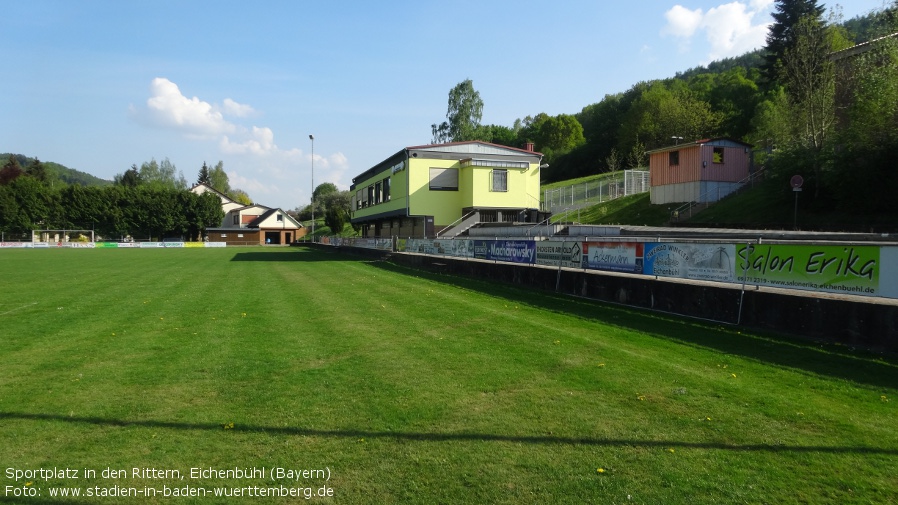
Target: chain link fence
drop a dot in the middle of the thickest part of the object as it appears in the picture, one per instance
(576, 196)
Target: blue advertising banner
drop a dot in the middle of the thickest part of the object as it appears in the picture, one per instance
(514, 251)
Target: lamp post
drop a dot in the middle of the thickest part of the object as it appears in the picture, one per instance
(312, 138)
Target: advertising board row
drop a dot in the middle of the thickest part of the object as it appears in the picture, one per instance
(847, 269)
(108, 245)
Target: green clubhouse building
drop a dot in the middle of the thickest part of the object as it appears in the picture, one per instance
(444, 189)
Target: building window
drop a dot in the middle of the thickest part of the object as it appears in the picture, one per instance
(718, 155)
(386, 186)
(674, 158)
(280, 218)
(371, 195)
(499, 180)
(444, 179)
(378, 195)
(236, 219)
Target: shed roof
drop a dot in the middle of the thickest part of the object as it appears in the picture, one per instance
(717, 142)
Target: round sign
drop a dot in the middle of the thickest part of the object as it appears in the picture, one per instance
(796, 181)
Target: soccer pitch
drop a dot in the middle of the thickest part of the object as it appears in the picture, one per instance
(255, 375)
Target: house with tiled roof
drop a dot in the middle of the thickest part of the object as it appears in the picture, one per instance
(251, 224)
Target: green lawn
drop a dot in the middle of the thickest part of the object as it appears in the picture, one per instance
(413, 388)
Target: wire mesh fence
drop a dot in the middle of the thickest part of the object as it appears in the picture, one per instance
(576, 196)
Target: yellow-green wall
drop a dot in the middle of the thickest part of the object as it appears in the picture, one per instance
(411, 187)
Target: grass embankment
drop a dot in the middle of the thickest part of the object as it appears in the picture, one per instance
(413, 388)
(769, 205)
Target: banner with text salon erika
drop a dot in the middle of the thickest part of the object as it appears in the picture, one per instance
(835, 269)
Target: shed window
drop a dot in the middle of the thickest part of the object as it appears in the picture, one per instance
(674, 158)
(444, 179)
(718, 155)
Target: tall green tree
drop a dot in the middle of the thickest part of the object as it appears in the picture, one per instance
(37, 170)
(218, 178)
(130, 177)
(782, 35)
(463, 115)
(203, 176)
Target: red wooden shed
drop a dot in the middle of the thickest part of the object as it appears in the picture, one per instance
(702, 171)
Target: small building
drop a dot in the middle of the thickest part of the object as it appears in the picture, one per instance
(251, 224)
(701, 171)
(443, 189)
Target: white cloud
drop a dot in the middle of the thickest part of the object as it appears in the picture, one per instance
(682, 22)
(168, 107)
(232, 108)
(730, 29)
(260, 142)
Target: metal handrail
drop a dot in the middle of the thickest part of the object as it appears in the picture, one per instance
(742, 183)
(456, 222)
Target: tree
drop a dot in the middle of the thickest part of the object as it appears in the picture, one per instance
(613, 160)
(808, 76)
(37, 170)
(336, 213)
(203, 176)
(463, 115)
(782, 35)
(560, 133)
(240, 196)
(130, 178)
(218, 179)
(661, 113)
(636, 158)
(10, 171)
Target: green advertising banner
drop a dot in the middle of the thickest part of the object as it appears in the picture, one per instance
(107, 245)
(835, 269)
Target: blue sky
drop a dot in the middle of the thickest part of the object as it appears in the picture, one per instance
(102, 85)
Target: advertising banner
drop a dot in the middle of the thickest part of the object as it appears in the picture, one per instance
(216, 244)
(888, 276)
(107, 245)
(144, 245)
(706, 262)
(555, 253)
(832, 268)
(15, 244)
(513, 251)
(459, 248)
(613, 256)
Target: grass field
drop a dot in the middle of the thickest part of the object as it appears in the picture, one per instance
(409, 388)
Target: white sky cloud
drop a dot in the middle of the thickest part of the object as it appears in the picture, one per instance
(169, 108)
(682, 22)
(731, 29)
(232, 108)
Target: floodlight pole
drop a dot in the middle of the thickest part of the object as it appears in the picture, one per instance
(312, 138)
